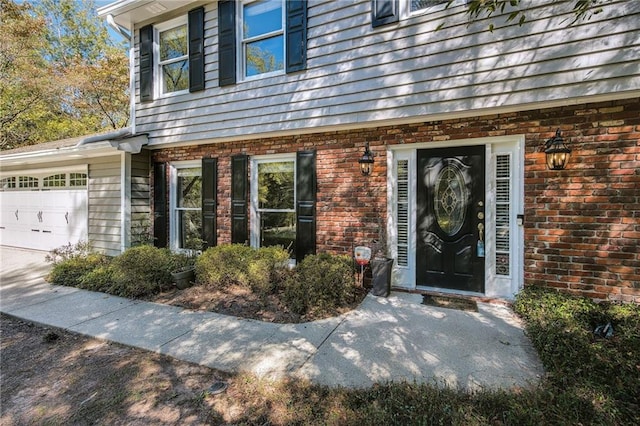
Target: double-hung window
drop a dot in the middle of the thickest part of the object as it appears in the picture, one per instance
(274, 200)
(186, 207)
(262, 32)
(173, 56)
(418, 5)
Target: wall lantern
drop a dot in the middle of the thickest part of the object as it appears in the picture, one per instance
(366, 161)
(556, 152)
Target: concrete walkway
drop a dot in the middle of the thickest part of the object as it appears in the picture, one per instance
(385, 339)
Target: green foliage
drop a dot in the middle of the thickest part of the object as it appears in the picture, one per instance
(142, 271)
(321, 283)
(60, 74)
(81, 249)
(235, 264)
(73, 270)
(602, 370)
(479, 9)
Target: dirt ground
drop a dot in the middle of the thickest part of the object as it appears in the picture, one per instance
(50, 376)
(239, 301)
(54, 377)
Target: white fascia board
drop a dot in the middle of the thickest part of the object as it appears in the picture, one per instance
(58, 154)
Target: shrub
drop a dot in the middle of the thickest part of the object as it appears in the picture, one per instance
(233, 264)
(72, 270)
(142, 271)
(321, 283)
(81, 249)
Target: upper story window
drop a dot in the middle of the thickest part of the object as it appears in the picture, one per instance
(173, 56)
(418, 5)
(262, 37)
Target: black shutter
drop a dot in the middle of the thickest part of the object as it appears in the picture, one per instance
(146, 63)
(226, 42)
(305, 204)
(160, 204)
(209, 201)
(384, 12)
(296, 35)
(196, 49)
(239, 187)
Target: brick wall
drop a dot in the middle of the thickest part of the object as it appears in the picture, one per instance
(582, 224)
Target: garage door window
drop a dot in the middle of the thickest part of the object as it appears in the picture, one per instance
(8, 183)
(27, 182)
(55, 181)
(77, 179)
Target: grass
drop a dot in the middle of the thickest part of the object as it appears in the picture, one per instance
(590, 380)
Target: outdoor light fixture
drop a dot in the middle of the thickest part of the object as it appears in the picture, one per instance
(366, 161)
(556, 152)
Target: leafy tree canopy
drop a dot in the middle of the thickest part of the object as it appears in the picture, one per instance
(60, 73)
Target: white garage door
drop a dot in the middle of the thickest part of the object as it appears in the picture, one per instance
(43, 211)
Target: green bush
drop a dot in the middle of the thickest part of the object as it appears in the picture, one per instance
(234, 264)
(72, 270)
(141, 271)
(561, 327)
(321, 283)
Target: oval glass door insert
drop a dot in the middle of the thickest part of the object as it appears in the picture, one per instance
(450, 200)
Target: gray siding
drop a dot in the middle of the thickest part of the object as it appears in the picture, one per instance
(140, 201)
(105, 211)
(360, 76)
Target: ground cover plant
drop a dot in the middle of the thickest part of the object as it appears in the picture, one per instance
(54, 377)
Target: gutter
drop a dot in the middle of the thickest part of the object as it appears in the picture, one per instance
(122, 140)
(132, 88)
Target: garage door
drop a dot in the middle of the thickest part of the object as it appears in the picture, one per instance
(43, 211)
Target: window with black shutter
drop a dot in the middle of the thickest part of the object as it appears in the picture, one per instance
(209, 201)
(384, 12)
(160, 204)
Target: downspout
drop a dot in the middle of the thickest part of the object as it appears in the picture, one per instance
(128, 36)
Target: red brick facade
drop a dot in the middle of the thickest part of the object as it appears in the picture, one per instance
(582, 225)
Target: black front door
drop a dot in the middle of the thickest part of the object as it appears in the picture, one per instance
(450, 218)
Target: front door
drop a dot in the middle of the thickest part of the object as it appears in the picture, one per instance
(450, 218)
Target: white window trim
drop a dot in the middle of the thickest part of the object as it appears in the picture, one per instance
(405, 8)
(254, 226)
(157, 72)
(241, 42)
(173, 185)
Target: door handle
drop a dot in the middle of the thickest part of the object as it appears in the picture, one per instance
(66, 217)
(480, 243)
(17, 215)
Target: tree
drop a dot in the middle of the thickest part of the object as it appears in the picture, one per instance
(62, 76)
(582, 9)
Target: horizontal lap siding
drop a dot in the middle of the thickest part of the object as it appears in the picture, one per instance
(105, 208)
(140, 201)
(357, 74)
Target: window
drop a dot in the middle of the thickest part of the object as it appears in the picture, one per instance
(503, 213)
(262, 37)
(8, 182)
(77, 179)
(417, 5)
(187, 208)
(173, 56)
(27, 182)
(54, 181)
(274, 198)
